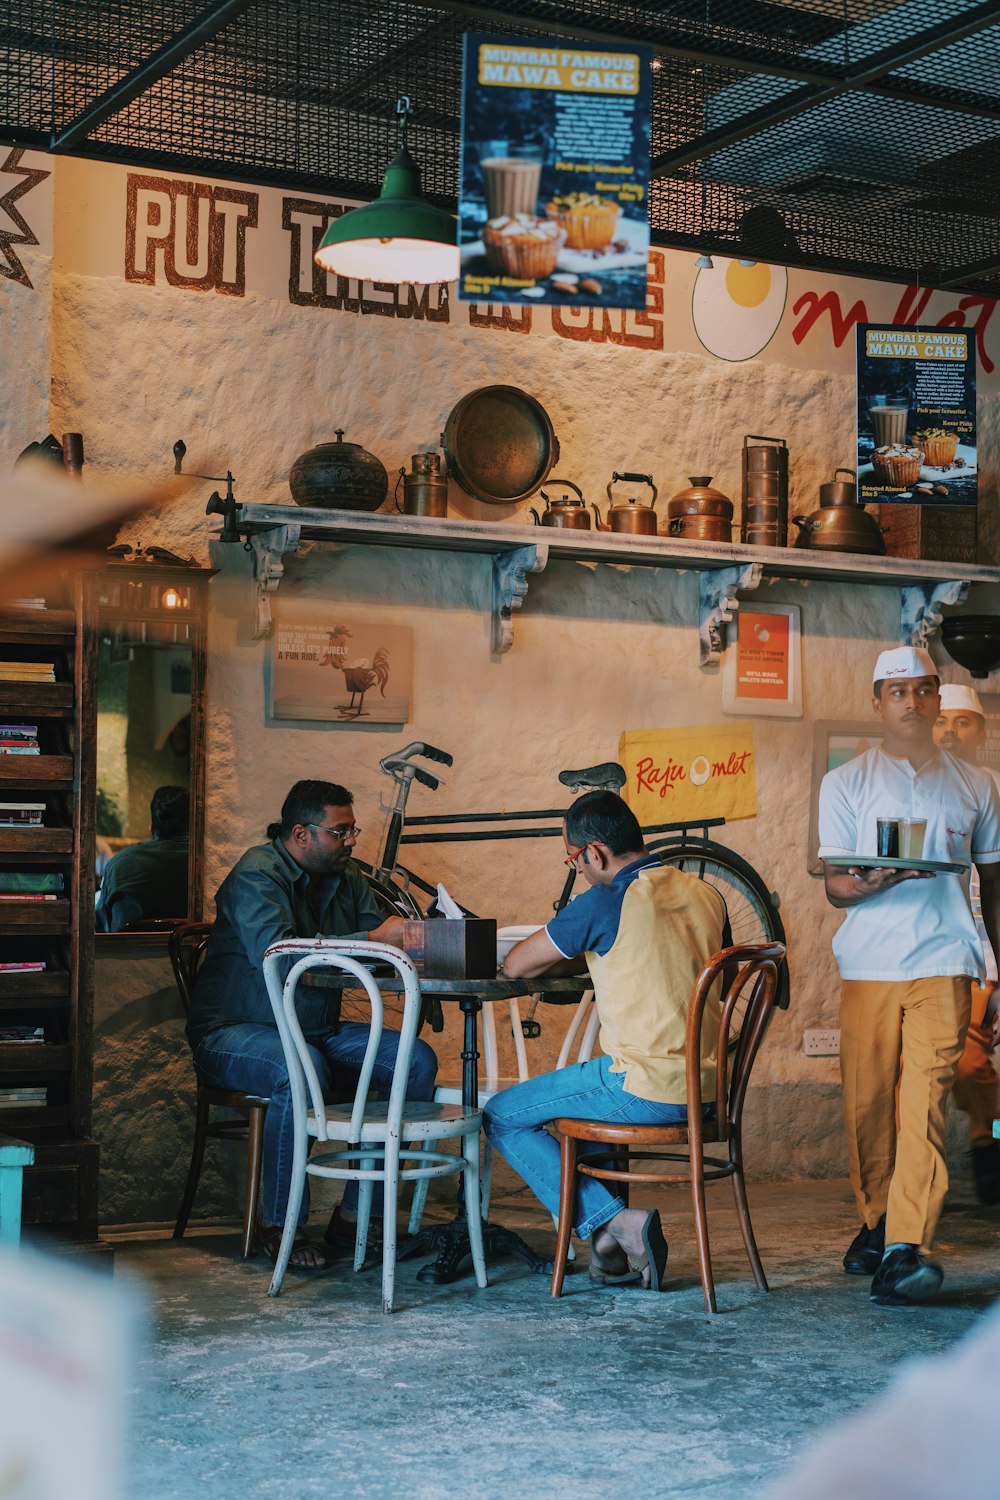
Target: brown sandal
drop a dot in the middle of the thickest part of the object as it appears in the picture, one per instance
(269, 1240)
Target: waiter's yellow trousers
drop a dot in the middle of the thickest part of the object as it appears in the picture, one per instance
(921, 1024)
(976, 1081)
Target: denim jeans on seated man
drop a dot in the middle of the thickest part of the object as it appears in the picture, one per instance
(250, 1058)
(515, 1122)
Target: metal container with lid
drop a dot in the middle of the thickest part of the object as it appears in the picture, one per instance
(500, 444)
(840, 524)
(765, 491)
(569, 511)
(425, 490)
(700, 512)
(338, 476)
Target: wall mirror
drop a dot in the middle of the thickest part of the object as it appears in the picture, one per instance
(149, 785)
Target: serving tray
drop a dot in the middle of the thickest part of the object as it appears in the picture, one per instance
(874, 862)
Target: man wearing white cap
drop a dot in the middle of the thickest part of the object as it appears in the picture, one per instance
(907, 951)
(961, 730)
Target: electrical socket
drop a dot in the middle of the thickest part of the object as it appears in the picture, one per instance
(823, 1042)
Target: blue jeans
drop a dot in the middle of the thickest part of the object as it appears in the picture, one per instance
(515, 1121)
(250, 1058)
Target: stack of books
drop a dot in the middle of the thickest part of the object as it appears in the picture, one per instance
(19, 739)
(20, 1036)
(21, 814)
(27, 671)
(26, 1098)
(24, 966)
(31, 883)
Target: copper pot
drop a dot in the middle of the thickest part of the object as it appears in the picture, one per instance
(701, 528)
(837, 492)
(566, 512)
(338, 476)
(840, 524)
(700, 500)
(630, 515)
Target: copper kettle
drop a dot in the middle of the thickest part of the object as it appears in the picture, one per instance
(840, 524)
(565, 512)
(630, 515)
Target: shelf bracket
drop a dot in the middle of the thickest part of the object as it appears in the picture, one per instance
(510, 584)
(920, 612)
(717, 603)
(268, 549)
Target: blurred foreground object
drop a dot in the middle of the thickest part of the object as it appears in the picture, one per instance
(931, 1434)
(67, 1352)
(51, 525)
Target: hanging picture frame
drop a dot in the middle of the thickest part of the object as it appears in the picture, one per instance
(326, 666)
(762, 667)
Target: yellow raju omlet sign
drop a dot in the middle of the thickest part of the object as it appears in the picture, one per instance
(687, 774)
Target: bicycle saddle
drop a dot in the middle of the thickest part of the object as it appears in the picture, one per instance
(609, 776)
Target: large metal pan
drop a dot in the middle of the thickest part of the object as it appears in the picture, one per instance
(500, 443)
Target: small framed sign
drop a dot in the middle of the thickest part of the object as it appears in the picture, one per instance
(762, 674)
(326, 666)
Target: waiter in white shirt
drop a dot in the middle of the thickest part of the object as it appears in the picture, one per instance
(907, 951)
(961, 730)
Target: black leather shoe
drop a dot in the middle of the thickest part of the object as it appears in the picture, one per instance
(986, 1171)
(905, 1277)
(864, 1254)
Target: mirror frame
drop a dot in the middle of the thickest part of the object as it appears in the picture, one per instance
(138, 586)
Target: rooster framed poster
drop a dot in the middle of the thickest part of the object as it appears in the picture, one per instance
(326, 666)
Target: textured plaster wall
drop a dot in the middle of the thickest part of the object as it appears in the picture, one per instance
(250, 383)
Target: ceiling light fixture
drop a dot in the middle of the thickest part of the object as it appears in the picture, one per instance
(400, 237)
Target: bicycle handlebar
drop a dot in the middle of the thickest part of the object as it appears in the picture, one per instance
(417, 747)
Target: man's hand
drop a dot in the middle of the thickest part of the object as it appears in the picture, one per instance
(538, 954)
(390, 931)
(849, 887)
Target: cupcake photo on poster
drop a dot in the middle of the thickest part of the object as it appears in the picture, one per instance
(916, 416)
(554, 188)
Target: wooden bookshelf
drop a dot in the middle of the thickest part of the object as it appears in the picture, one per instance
(60, 1189)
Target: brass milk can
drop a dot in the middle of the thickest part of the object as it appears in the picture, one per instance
(425, 490)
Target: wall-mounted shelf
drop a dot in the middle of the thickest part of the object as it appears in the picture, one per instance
(724, 568)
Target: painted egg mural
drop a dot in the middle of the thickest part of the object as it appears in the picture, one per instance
(737, 307)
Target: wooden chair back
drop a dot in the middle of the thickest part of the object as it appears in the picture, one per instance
(186, 944)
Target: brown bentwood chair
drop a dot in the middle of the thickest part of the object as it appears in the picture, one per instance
(187, 944)
(754, 988)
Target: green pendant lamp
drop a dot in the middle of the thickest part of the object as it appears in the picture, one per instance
(398, 238)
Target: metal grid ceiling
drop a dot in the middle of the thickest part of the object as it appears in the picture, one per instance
(860, 136)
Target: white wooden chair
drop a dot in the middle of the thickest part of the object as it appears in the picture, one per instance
(389, 1142)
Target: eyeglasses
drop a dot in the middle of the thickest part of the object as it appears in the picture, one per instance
(349, 831)
(574, 855)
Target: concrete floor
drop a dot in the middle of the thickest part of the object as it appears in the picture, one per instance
(502, 1393)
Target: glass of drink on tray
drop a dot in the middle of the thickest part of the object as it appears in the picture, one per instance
(888, 838)
(911, 837)
(512, 176)
(889, 415)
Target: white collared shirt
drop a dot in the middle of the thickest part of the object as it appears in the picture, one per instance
(920, 928)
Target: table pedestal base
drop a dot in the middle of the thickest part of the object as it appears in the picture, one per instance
(451, 1244)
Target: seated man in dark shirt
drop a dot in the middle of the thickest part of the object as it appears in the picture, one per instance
(150, 879)
(300, 884)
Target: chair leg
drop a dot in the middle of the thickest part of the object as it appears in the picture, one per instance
(418, 1202)
(746, 1228)
(486, 1178)
(366, 1189)
(701, 1235)
(473, 1194)
(194, 1170)
(291, 1222)
(390, 1199)
(255, 1157)
(567, 1199)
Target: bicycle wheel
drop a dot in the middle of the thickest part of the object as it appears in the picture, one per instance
(753, 911)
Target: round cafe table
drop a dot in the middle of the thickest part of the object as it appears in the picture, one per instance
(450, 1242)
